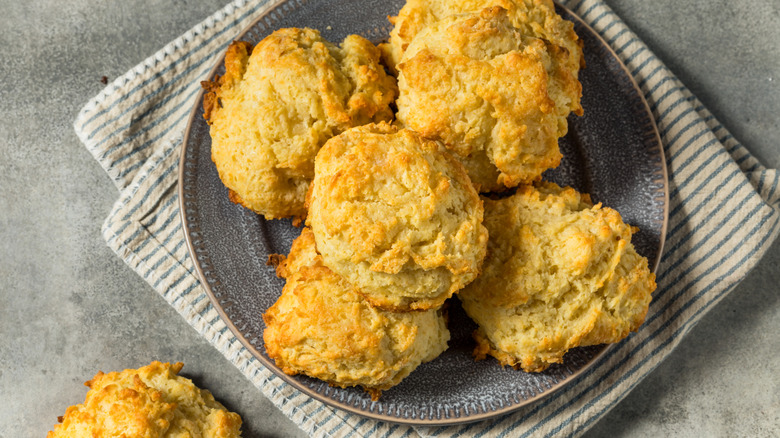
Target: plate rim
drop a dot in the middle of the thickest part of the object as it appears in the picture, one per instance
(291, 380)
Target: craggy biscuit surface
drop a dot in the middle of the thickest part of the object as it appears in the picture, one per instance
(536, 18)
(278, 103)
(322, 327)
(494, 95)
(560, 273)
(396, 216)
(151, 401)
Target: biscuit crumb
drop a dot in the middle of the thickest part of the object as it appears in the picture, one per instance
(274, 260)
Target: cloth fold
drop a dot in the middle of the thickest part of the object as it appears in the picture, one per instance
(723, 216)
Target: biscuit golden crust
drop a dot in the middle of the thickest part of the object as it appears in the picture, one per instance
(278, 103)
(560, 273)
(151, 401)
(396, 216)
(535, 18)
(492, 94)
(323, 328)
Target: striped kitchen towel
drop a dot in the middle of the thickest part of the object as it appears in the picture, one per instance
(723, 215)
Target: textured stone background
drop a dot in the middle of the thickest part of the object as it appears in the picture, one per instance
(70, 307)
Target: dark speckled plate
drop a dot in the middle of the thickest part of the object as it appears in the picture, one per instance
(613, 152)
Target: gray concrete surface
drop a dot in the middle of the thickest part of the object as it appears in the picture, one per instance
(70, 307)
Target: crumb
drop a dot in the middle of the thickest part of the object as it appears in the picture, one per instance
(274, 260)
(104, 80)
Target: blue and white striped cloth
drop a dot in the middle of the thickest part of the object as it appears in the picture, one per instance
(723, 216)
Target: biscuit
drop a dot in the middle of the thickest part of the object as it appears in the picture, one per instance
(560, 273)
(492, 94)
(152, 401)
(278, 103)
(536, 18)
(396, 216)
(321, 327)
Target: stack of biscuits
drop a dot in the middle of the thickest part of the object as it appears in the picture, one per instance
(417, 167)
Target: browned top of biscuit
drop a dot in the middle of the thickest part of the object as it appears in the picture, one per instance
(495, 96)
(279, 102)
(533, 17)
(560, 273)
(323, 328)
(396, 215)
(150, 401)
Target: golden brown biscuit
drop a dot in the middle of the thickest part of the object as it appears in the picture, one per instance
(560, 273)
(151, 401)
(272, 110)
(536, 18)
(396, 216)
(323, 328)
(492, 94)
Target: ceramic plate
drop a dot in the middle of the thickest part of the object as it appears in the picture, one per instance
(613, 152)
